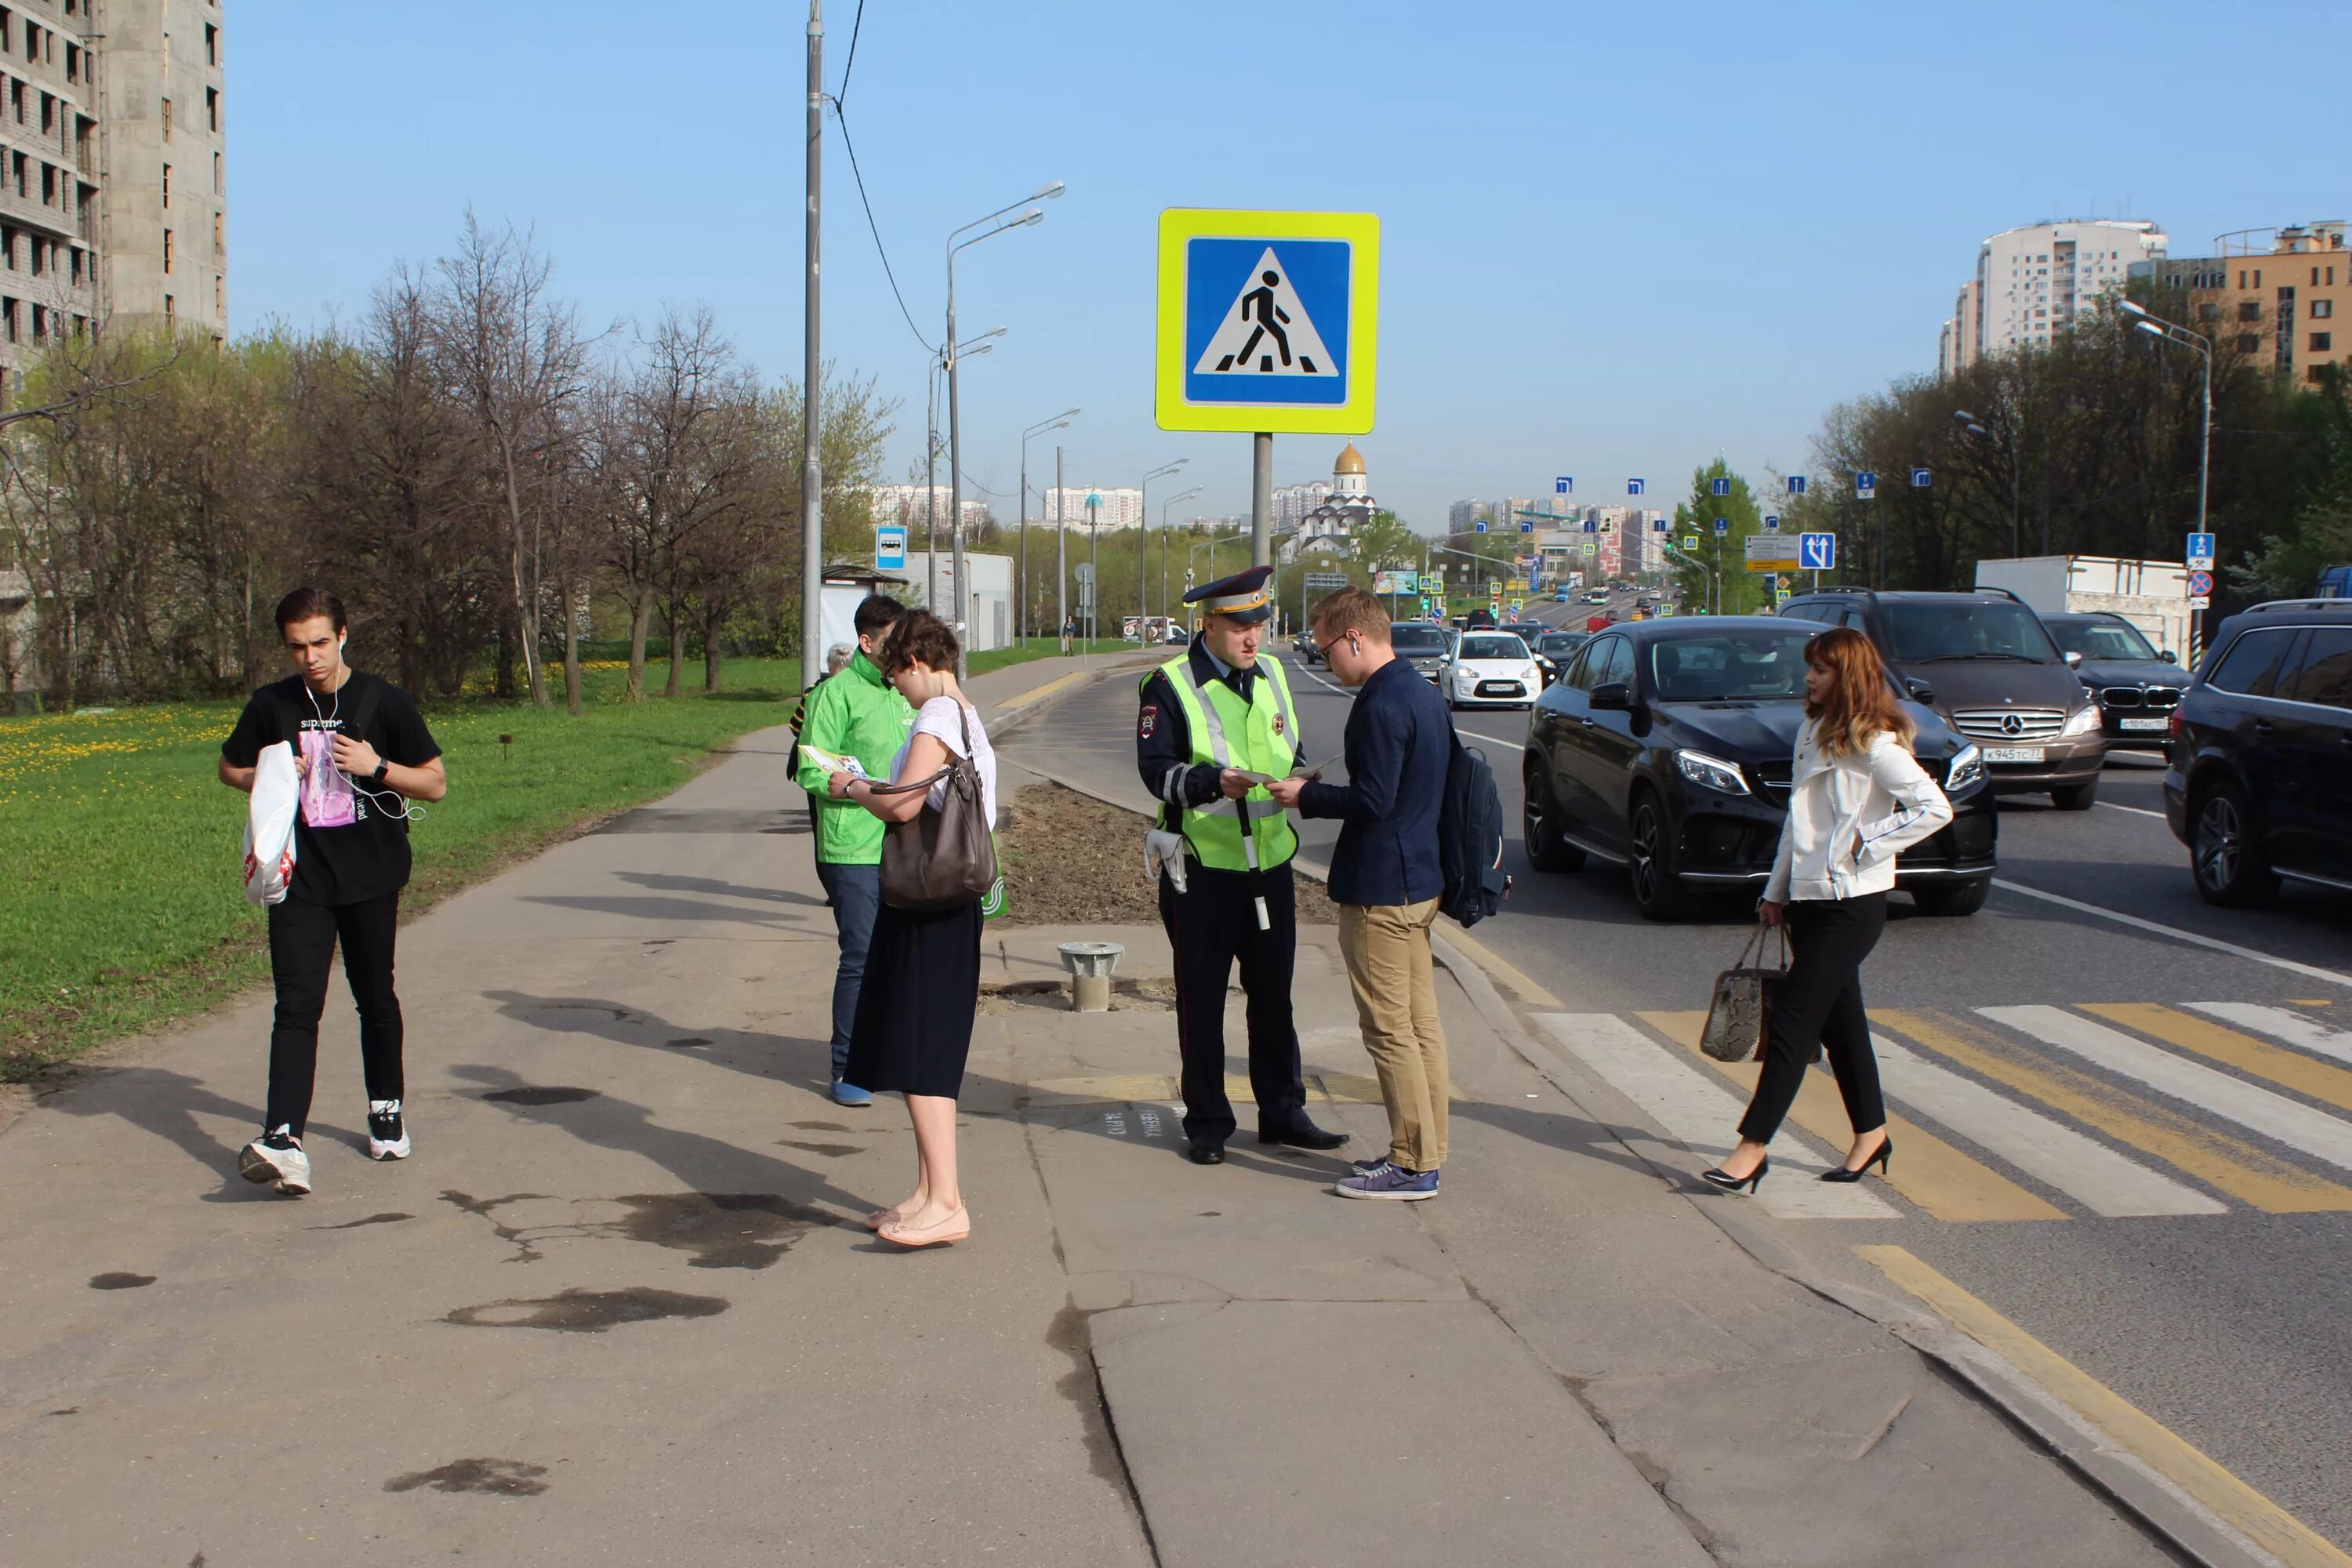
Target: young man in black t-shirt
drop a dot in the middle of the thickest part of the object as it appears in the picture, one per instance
(363, 752)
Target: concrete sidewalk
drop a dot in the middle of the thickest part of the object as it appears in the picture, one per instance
(618, 1309)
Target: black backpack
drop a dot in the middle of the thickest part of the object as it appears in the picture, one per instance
(1470, 838)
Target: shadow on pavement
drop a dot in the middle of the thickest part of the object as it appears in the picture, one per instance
(166, 1103)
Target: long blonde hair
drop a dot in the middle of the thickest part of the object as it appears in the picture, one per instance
(1861, 706)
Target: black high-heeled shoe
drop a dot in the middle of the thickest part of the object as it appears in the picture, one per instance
(1878, 1157)
(1731, 1184)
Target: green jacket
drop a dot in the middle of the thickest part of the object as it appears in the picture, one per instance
(853, 714)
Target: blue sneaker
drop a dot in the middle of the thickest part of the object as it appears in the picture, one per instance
(1390, 1182)
(847, 1093)
(1368, 1167)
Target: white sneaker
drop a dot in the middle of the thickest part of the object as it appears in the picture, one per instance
(387, 1133)
(277, 1156)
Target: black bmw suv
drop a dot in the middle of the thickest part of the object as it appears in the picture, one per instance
(2260, 785)
(2136, 687)
(1666, 747)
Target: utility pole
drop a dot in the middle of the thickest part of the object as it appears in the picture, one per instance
(812, 468)
(1261, 499)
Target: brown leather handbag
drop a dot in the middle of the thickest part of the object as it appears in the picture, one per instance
(944, 855)
(1740, 1017)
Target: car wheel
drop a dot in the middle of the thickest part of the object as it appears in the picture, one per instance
(1652, 872)
(1952, 898)
(1539, 824)
(2223, 855)
(2080, 797)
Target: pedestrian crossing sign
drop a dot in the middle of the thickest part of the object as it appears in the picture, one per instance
(1268, 320)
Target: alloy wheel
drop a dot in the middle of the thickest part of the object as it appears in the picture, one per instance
(2219, 842)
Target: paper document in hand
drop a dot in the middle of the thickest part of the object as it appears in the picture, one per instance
(832, 761)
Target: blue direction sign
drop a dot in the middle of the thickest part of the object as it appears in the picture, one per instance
(1920, 479)
(1526, 526)
(1795, 484)
(1658, 524)
(890, 548)
(1722, 526)
(1817, 552)
(1591, 525)
(1266, 321)
(1772, 525)
(1482, 525)
(2200, 550)
(1722, 486)
(1563, 486)
(1866, 485)
(1637, 487)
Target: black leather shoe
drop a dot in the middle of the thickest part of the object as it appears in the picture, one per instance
(1306, 1135)
(1200, 1152)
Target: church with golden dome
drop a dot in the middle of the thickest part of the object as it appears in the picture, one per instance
(1345, 507)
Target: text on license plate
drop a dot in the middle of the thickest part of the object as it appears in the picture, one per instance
(2146, 723)
(2013, 754)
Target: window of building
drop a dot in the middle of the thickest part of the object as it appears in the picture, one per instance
(2241, 277)
(8, 248)
(2322, 309)
(74, 260)
(2316, 374)
(220, 296)
(212, 109)
(2250, 310)
(33, 42)
(2208, 312)
(2250, 343)
(2314, 277)
(16, 101)
(212, 45)
(167, 250)
(8, 315)
(2258, 277)
(167, 120)
(73, 62)
(34, 253)
(171, 308)
(220, 240)
(167, 185)
(216, 174)
(2322, 342)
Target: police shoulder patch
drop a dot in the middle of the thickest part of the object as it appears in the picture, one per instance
(1146, 721)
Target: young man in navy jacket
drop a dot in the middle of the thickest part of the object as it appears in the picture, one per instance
(1386, 879)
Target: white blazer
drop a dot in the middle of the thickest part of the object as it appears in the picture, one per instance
(1849, 816)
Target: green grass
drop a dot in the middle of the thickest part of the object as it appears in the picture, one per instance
(123, 909)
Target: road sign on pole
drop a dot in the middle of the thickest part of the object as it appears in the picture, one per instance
(2200, 551)
(1268, 320)
(1526, 526)
(1591, 525)
(890, 547)
(1866, 486)
(1690, 541)
(1722, 486)
(1920, 479)
(1480, 525)
(1817, 552)
(1637, 487)
(1722, 526)
(1772, 525)
(2200, 585)
(1795, 484)
(1563, 486)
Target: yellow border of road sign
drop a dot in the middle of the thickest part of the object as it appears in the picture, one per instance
(1354, 417)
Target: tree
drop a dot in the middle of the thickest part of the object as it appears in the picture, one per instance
(1736, 591)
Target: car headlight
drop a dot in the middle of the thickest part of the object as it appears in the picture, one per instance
(1716, 775)
(2082, 722)
(1966, 770)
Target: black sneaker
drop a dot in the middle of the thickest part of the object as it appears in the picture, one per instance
(387, 1134)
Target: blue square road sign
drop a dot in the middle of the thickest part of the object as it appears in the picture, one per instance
(1817, 552)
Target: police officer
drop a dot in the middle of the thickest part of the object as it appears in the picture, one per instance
(1210, 717)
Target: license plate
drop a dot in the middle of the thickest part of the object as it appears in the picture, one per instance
(2013, 754)
(2148, 723)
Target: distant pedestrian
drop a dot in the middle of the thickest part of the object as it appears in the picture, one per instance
(857, 715)
(362, 751)
(1386, 878)
(1069, 631)
(913, 1029)
(1857, 798)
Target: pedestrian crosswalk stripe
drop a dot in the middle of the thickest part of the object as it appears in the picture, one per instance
(1699, 1113)
(2315, 1081)
(2279, 1024)
(2246, 1172)
(2083, 1168)
(2288, 1121)
(1941, 1179)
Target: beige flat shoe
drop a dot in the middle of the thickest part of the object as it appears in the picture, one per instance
(957, 1226)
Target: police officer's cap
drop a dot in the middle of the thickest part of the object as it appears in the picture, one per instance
(1244, 595)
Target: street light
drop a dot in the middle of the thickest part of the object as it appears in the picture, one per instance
(1172, 501)
(1143, 527)
(990, 225)
(1969, 425)
(2174, 332)
(970, 347)
(1021, 579)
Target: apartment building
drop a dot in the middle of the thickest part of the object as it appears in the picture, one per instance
(2281, 297)
(1122, 506)
(907, 504)
(113, 177)
(1293, 503)
(2030, 283)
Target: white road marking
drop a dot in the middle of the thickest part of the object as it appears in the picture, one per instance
(2309, 972)
(2083, 1168)
(2307, 1033)
(2288, 1121)
(1473, 734)
(2135, 810)
(1701, 1115)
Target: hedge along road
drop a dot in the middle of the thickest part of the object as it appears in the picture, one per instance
(2052, 1032)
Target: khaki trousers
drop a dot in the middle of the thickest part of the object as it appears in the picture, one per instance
(1386, 947)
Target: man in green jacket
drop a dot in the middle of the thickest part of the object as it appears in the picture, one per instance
(857, 714)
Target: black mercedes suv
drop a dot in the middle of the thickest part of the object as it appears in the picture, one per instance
(2260, 785)
(1666, 747)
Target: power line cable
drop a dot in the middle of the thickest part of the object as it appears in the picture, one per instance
(851, 64)
(876, 229)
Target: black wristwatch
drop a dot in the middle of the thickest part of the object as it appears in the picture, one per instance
(383, 764)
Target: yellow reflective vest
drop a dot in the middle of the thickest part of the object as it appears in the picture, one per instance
(1259, 738)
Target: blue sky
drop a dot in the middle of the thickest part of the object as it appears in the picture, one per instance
(1617, 239)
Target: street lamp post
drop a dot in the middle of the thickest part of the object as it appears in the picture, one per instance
(1172, 501)
(971, 347)
(990, 225)
(1143, 527)
(1021, 578)
(2174, 332)
(1969, 425)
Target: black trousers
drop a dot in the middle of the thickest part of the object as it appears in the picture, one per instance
(1210, 925)
(1821, 1002)
(303, 939)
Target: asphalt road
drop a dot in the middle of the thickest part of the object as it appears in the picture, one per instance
(2232, 1326)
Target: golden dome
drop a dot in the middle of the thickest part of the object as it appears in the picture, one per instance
(1350, 461)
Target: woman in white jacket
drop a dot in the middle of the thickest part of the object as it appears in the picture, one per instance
(1857, 798)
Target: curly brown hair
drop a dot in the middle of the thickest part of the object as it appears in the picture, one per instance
(1860, 705)
(920, 637)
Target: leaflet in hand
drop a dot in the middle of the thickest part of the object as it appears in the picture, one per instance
(832, 761)
(1301, 771)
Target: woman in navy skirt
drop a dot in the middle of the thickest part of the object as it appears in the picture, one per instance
(913, 1028)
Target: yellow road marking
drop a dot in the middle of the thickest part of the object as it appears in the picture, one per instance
(1500, 968)
(1037, 694)
(2239, 1168)
(2248, 1054)
(1941, 1180)
(2229, 1500)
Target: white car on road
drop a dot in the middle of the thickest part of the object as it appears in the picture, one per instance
(1490, 670)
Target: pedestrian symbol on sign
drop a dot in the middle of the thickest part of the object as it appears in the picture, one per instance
(1265, 332)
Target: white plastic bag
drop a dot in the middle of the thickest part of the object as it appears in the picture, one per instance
(269, 825)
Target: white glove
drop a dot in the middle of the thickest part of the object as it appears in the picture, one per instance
(1163, 854)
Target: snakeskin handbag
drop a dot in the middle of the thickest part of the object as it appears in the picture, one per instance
(1739, 1016)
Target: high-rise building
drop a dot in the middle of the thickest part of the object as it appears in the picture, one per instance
(1122, 506)
(114, 172)
(2274, 295)
(906, 504)
(1293, 503)
(2030, 283)
(1347, 507)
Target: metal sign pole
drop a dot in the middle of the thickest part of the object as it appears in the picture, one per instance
(1261, 499)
